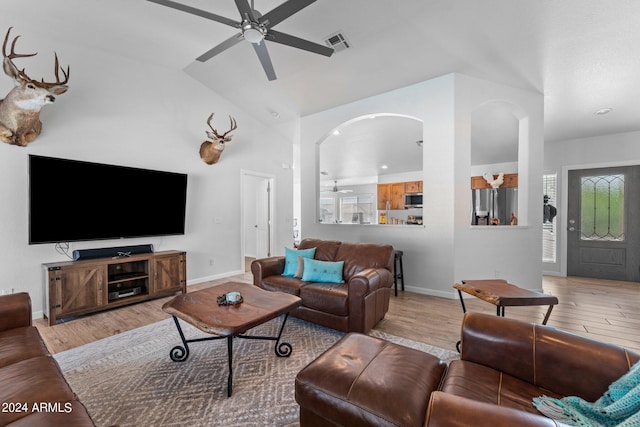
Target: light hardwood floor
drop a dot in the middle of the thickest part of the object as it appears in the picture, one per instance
(604, 310)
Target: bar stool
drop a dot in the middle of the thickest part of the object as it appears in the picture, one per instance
(398, 271)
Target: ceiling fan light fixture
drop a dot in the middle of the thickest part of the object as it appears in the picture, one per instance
(253, 32)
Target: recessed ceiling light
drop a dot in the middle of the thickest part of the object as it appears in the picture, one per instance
(384, 167)
(336, 132)
(603, 111)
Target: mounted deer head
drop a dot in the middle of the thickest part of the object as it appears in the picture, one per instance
(20, 109)
(210, 151)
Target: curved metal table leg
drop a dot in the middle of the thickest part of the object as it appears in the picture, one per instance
(181, 353)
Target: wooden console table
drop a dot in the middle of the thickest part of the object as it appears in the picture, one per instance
(74, 288)
(503, 294)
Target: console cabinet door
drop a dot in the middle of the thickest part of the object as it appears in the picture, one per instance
(169, 273)
(76, 289)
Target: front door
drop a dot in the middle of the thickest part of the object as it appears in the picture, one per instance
(603, 238)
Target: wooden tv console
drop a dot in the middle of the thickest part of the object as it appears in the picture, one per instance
(74, 288)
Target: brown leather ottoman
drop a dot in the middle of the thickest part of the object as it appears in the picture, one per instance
(367, 381)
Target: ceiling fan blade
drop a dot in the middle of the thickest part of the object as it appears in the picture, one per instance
(245, 10)
(265, 59)
(293, 41)
(285, 10)
(198, 12)
(231, 41)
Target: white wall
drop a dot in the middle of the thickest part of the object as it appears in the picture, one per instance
(123, 112)
(447, 249)
(599, 151)
(512, 253)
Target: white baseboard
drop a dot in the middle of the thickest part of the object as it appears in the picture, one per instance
(214, 277)
(433, 292)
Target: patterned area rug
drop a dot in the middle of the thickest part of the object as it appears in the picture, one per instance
(129, 379)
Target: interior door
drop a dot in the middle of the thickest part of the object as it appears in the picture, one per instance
(263, 219)
(602, 235)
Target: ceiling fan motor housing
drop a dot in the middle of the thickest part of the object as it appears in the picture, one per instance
(253, 32)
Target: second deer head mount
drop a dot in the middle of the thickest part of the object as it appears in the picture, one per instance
(210, 151)
(20, 109)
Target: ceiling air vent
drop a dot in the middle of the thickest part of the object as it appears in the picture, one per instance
(338, 42)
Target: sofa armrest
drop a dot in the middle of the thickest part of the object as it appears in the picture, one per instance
(15, 311)
(369, 280)
(266, 267)
(555, 360)
(447, 410)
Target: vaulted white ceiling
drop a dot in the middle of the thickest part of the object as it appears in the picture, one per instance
(581, 54)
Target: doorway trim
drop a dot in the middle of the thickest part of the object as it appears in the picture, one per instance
(244, 175)
(562, 213)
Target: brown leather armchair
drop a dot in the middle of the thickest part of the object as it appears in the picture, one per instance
(504, 363)
(353, 306)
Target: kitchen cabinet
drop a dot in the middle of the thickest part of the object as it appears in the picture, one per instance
(397, 195)
(413, 187)
(394, 192)
(510, 181)
(384, 196)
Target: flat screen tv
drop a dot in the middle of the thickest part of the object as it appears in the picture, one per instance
(72, 200)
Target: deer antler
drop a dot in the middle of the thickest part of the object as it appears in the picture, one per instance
(12, 70)
(222, 137)
(9, 67)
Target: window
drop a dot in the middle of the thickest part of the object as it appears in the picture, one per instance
(347, 209)
(602, 208)
(549, 221)
(357, 209)
(327, 210)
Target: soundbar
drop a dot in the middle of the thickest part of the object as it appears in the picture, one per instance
(115, 252)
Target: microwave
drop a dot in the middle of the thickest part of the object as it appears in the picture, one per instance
(412, 200)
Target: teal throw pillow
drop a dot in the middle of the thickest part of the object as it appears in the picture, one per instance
(291, 259)
(322, 271)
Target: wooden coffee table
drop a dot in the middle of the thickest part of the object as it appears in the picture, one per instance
(201, 309)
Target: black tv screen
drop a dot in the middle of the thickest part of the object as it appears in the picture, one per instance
(72, 200)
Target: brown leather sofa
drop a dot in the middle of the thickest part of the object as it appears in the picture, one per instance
(33, 391)
(504, 364)
(353, 306)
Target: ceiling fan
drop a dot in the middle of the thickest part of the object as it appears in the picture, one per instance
(335, 188)
(256, 28)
